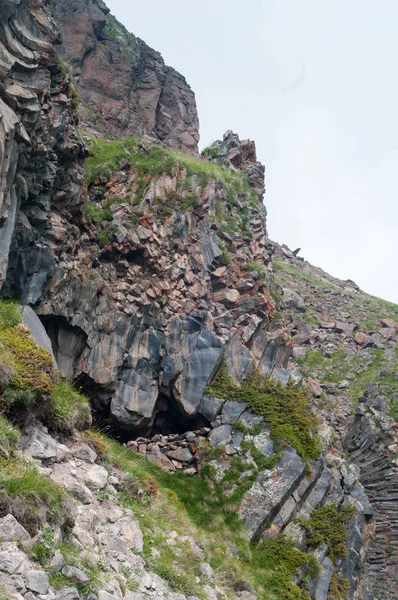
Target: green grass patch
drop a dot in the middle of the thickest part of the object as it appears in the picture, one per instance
(9, 435)
(106, 156)
(69, 408)
(31, 497)
(286, 410)
(28, 366)
(297, 273)
(10, 314)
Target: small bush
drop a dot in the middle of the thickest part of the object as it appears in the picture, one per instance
(9, 435)
(210, 152)
(329, 524)
(286, 410)
(339, 588)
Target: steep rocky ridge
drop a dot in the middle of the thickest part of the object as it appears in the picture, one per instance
(124, 86)
(345, 342)
(155, 284)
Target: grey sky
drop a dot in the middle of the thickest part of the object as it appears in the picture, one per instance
(315, 84)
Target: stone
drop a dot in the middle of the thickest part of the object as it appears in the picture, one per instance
(210, 407)
(220, 435)
(227, 296)
(78, 577)
(232, 410)
(389, 323)
(130, 532)
(159, 459)
(181, 455)
(12, 531)
(11, 559)
(97, 476)
(37, 582)
(314, 387)
(67, 593)
(37, 330)
(61, 474)
(323, 582)
(40, 445)
(360, 338)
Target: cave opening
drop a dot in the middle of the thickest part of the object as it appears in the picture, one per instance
(68, 342)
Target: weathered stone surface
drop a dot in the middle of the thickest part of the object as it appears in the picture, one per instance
(12, 531)
(269, 491)
(40, 445)
(36, 328)
(220, 435)
(37, 581)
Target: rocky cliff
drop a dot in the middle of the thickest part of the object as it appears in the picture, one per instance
(124, 86)
(229, 367)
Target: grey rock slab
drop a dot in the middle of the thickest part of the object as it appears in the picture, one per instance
(317, 494)
(11, 559)
(210, 407)
(61, 475)
(323, 582)
(37, 581)
(67, 593)
(12, 531)
(130, 532)
(41, 445)
(270, 490)
(220, 435)
(232, 410)
(36, 328)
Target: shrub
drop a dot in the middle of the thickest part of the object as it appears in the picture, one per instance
(9, 435)
(210, 152)
(286, 410)
(329, 524)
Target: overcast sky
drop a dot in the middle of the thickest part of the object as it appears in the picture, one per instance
(315, 84)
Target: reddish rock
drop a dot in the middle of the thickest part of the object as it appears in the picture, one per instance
(360, 338)
(389, 323)
(314, 387)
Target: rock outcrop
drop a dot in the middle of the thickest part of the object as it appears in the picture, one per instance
(154, 277)
(124, 86)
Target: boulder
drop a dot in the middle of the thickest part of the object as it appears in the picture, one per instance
(12, 531)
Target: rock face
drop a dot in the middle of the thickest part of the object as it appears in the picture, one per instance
(40, 152)
(125, 87)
